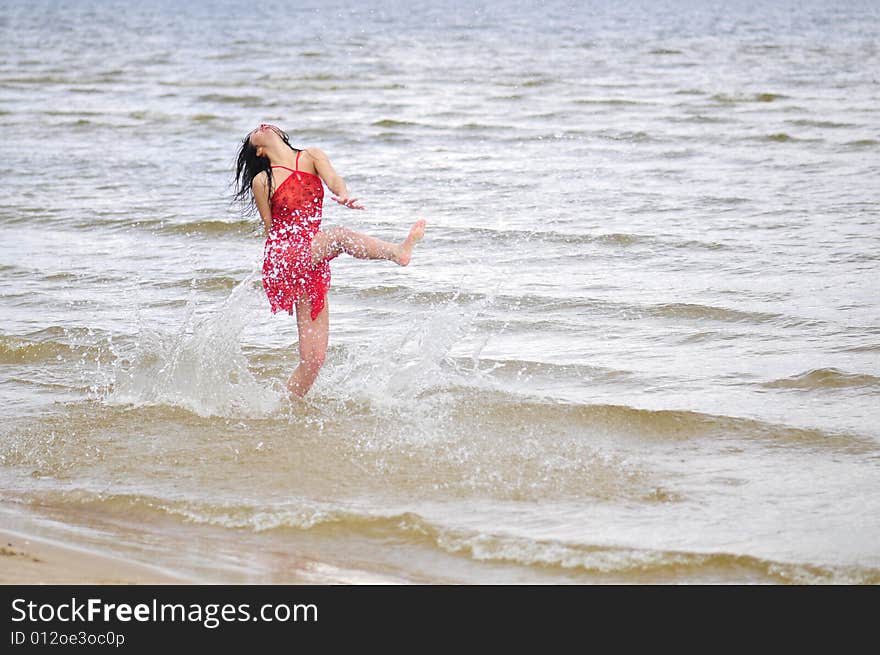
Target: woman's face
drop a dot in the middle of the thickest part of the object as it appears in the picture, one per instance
(264, 135)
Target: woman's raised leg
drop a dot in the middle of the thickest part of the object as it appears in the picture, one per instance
(313, 337)
(328, 244)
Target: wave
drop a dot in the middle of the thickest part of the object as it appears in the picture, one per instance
(614, 102)
(207, 283)
(519, 368)
(490, 409)
(698, 118)
(708, 312)
(207, 228)
(630, 311)
(16, 350)
(822, 124)
(483, 127)
(227, 99)
(616, 135)
(755, 97)
(151, 116)
(391, 123)
(863, 348)
(621, 239)
(408, 294)
(825, 378)
(10, 271)
(435, 454)
(639, 564)
(55, 343)
(784, 137)
(323, 77)
(50, 79)
(720, 200)
(505, 302)
(241, 227)
(410, 527)
(392, 137)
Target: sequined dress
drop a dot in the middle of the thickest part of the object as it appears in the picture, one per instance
(288, 272)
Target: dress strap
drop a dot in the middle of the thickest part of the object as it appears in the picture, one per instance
(286, 168)
(298, 153)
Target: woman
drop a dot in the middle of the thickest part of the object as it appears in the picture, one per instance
(285, 185)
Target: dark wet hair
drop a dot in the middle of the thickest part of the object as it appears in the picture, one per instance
(247, 167)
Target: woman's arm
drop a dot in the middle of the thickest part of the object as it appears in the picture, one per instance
(332, 179)
(260, 188)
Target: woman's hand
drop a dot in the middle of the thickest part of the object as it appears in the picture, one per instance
(351, 203)
(331, 178)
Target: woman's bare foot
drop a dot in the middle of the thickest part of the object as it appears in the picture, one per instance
(416, 232)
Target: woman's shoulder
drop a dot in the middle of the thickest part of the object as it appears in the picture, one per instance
(260, 180)
(310, 159)
(314, 153)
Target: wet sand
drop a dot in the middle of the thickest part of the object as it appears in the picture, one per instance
(30, 560)
(46, 546)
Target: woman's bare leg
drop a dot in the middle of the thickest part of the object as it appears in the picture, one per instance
(330, 243)
(312, 346)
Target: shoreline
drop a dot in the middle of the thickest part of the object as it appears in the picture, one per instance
(48, 548)
(27, 559)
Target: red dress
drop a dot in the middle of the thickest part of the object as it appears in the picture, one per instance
(288, 272)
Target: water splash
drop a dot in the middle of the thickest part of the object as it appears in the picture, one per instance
(201, 367)
(403, 371)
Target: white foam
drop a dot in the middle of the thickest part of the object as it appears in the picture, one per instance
(201, 367)
(395, 368)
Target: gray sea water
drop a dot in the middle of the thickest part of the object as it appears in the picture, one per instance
(640, 341)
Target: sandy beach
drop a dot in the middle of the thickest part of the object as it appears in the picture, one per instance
(30, 560)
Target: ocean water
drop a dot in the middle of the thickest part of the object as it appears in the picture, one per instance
(640, 341)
